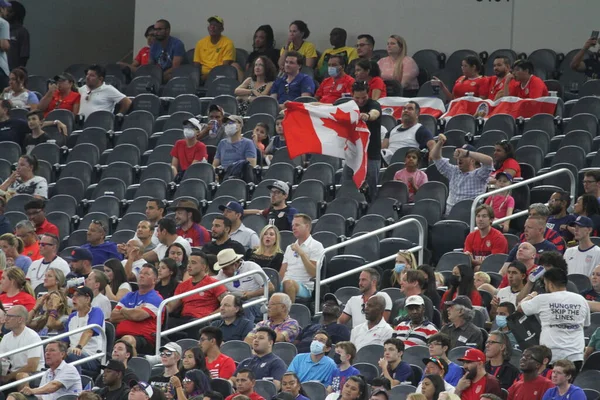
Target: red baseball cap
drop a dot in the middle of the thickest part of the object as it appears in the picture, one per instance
(473, 355)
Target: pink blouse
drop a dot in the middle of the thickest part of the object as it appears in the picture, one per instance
(410, 71)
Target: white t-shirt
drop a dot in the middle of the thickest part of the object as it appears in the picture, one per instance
(581, 262)
(19, 360)
(103, 98)
(94, 316)
(103, 303)
(247, 284)
(506, 294)
(161, 249)
(354, 307)
(295, 267)
(37, 270)
(362, 336)
(67, 375)
(136, 267)
(562, 315)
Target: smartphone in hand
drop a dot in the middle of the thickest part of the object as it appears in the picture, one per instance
(594, 35)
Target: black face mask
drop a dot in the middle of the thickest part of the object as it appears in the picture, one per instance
(337, 359)
(454, 280)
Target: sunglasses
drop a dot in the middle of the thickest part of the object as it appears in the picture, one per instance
(166, 353)
(89, 94)
(437, 362)
(186, 380)
(286, 89)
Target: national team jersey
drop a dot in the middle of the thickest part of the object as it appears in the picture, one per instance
(533, 89)
(197, 235)
(497, 86)
(481, 247)
(477, 85)
(222, 367)
(149, 302)
(200, 304)
(474, 391)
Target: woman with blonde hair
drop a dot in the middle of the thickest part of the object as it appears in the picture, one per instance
(268, 254)
(482, 282)
(405, 260)
(398, 66)
(16, 290)
(50, 313)
(13, 246)
(54, 279)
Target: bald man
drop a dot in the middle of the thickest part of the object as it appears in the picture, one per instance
(375, 330)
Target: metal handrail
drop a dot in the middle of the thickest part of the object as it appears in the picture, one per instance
(520, 184)
(357, 239)
(101, 354)
(163, 304)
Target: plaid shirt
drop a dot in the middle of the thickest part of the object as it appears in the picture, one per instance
(288, 328)
(463, 185)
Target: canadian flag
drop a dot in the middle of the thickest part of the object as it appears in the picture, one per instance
(394, 105)
(335, 131)
(514, 106)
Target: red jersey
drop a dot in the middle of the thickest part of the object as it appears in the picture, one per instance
(187, 155)
(143, 56)
(332, 89)
(476, 389)
(377, 83)
(252, 396)
(20, 299)
(533, 89)
(481, 247)
(32, 251)
(66, 103)
(497, 86)
(531, 390)
(509, 163)
(47, 227)
(223, 367)
(477, 85)
(200, 304)
(197, 235)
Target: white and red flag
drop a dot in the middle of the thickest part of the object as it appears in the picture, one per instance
(514, 106)
(394, 105)
(335, 131)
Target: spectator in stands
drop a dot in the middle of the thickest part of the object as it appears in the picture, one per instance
(34, 210)
(285, 327)
(593, 294)
(16, 290)
(429, 287)
(461, 284)
(60, 378)
(268, 254)
(97, 281)
(62, 94)
(156, 209)
(24, 180)
(140, 390)
(245, 382)
(315, 366)
(461, 330)
(355, 388)
(13, 246)
(590, 67)
(504, 160)
(97, 244)
(49, 245)
(532, 382)
(328, 322)
(435, 366)
(498, 351)
(398, 65)
(214, 131)
(134, 251)
(25, 230)
(259, 83)
(345, 352)
(136, 312)
(167, 235)
(11, 129)
(539, 209)
(528, 85)
(587, 205)
(193, 358)
(187, 217)
(195, 307)
(368, 71)
(293, 83)
(485, 240)
(368, 282)
(237, 148)
(563, 373)
(170, 356)
(215, 49)
(501, 67)
(417, 330)
(470, 82)
(476, 380)
(24, 363)
(88, 342)
(503, 204)
(167, 51)
(482, 281)
(18, 54)
(35, 120)
(291, 388)
(431, 387)
(517, 277)
(5, 225)
(187, 151)
(145, 234)
(176, 252)
(337, 38)
(465, 180)
(337, 84)
(392, 366)
(122, 352)
(113, 379)
(544, 370)
(375, 330)
(591, 183)
(582, 258)
(263, 44)
(439, 344)
(300, 260)
(221, 228)
(143, 56)
(560, 219)
(364, 50)
(405, 261)
(413, 282)
(565, 339)
(279, 214)
(96, 95)
(80, 262)
(264, 363)
(502, 311)
(219, 365)
(298, 33)
(233, 211)
(535, 283)
(233, 323)
(260, 137)
(16, 91)
(411, 175)
(167, 278)
(50, 313)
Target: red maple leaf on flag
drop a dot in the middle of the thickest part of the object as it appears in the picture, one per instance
(343, 126)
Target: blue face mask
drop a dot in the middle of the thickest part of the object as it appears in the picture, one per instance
(316, 347)
(501, 321)
(399, 268)
(332, 71)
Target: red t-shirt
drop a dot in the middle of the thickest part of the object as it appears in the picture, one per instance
(143, 56)
(63, 104)
(20, 299)
(464, 85)
(474, 391)
(475, 297)
(252, 396)
(47, 227)
(223, 367)
(496, 86)
(200, 304)
(481, 247)
(332, 89)
(509, 163)
(32, 251)
(377, 83)
(532, 390)
(197, 235)
(187, 155)
(533, 89)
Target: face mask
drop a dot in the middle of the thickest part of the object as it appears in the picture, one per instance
(501, 321)
(454, 280)
(332, 71)
(399, 268)
(188, 133)
(230, 129)
(337, 359)
(316, 347)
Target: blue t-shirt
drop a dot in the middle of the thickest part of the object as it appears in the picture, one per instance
(556, 223)
(23, 262)
(285, 91)
(164, 57)
(339, 378)
(307, 370)
(403, 372)
(455, 372)
(539, 248)
(574, 393)
(103, 252)
(229, 153)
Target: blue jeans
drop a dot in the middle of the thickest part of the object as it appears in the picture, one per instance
(372, 175)
(89, 368)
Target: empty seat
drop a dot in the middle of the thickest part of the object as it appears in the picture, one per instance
(48, 152)
(162, 171)
(94, 135)
(347, 208)
(463, 122)
(370, 223)
(185, 102)
(433, 190)
(543, 122)
(222, 86)
(334, 223)
(306, 205)
(430, 209)
(502, 122)
(142, 85)
(111, 186)
(100, 119)
(448, 235)
(134, 136)
(179, 85)
(578, 138)
(130, 221)
(587, 105)
(119, 170)
(572, 155)
(71, 186)
(235, 188)
(263, 104)
(127, 153)
(536, 138)
(160, 154)
(281, 171)
(202, 171)
(146, 102)
(429, 59)
(176, 120)
(152, 187)
(322, 171)
(343, 263)
(312, 188)
(367, 248)
(532, 155)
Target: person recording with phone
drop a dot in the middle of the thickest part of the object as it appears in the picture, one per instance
(62, 94)
(591, 66)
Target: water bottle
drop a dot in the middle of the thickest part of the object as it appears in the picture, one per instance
(213, 128)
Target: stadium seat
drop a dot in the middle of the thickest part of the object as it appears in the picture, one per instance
(543, 122)
(433, 190)
(179, 86)
(463, 122)
(235, 188)
(190, 70)
(237, 349)
(343, 263)
(112, 186)
(100, 119)
(334, 223)
(48, 152)
(222, 86)
(263, 105)
(544, 59)
(448, 235)
(169, 136)
(160, 154)
(152, 70)
(185, 102)
(120, 170)
(586, 122)
(152, 187)
(281, 171)
(202, 171)
(490, 138)
(570, 154)
(71, 186)
(371, 354)
(127, 153)
(429, 59)
(532, 155)
(586, 105)
(306, 205)
(314, 390)
(282, 155)
(312, 188)
(213, 207)
(229, 103)
(162, 171)
(130, 221)
(319, 170)
(590, 88)
(301, 313)
(536, 138)
(386, 207)
(426, 90)
(582, 281)
(109, 205)
(461, 211)
(144, 101)
(62, 221)
(96, 136)
(454, 61)
(265, 118)
(77, 238)
(502, 122)
(368, 248)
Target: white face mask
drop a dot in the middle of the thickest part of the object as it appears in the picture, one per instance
(230, 129)
(188, 133)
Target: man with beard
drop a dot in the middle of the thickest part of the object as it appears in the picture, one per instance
(476, 381)
(368, 280)
(279, 213)
(533, 386)
(187, 217)
(167, 51)
(497, 82)
(560, 219)
(221, 227)
(234, 211)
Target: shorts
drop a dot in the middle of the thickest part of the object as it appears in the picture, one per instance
(303, 291)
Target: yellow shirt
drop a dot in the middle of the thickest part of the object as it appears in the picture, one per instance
(307, 50)
(349, 53)
(212, 55)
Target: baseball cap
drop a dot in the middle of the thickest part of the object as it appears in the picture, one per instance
(414, 300)
(473, 355)
(469, 147)
(461, 301)
(84, 291)
(583, 221)
(235, 118)
(145, 386)
(114, 365)
(64, 77)
(233, 206)
(216, 107)
(279, 185)
(508, 176)
(172, 346)
(194, 122)
(331, 296)
(440, 362)
(216, 18)
(79, 254)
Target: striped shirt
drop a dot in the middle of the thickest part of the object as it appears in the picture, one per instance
(415, 336)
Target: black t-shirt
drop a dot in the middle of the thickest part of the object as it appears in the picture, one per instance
(214, 248)
(272, 54)
(128, 376)
(30, 142)
(120, 394)
(19, 46)
(282, 218)
(592, 68)
(168, 290)
(161, 382)
(374, 150)
(13, 130)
